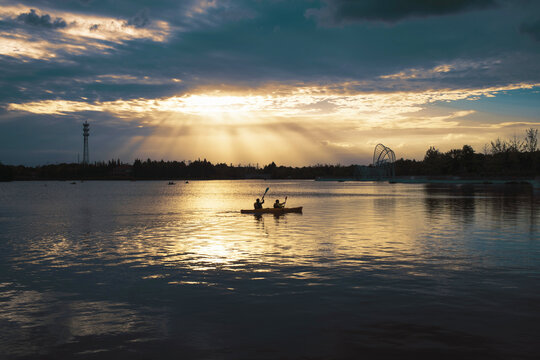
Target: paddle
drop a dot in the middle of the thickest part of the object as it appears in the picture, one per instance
(262, 199)
(285, 201)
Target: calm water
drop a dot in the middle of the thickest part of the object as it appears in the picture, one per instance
(145, 270)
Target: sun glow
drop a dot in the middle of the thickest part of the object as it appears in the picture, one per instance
(391, 109)
(296, 123)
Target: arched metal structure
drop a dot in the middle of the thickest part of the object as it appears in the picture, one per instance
(384, 159)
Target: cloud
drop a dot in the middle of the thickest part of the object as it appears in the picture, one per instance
(420, 73)
(205, 14)
(457, 68)
(75, 34)
(140, 19)
(434, 122)
(532, 29)
(32, 18)
(129, 79)
(25, 46)
(309, 104)
(340, 12)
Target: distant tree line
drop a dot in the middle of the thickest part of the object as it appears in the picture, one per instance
(169, 170)
(501, 158)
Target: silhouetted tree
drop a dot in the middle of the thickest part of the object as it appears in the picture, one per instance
(6, 172)
(499, 146)
(531, 140)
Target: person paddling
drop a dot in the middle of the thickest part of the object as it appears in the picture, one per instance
(258, 204)
(278, 205)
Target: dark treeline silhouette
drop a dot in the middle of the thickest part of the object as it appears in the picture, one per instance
(203, 169)
(169, 170)
(502, 158)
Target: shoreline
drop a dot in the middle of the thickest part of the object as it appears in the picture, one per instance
(397, 180)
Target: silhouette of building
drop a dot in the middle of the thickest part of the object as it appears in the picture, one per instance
(86, 131)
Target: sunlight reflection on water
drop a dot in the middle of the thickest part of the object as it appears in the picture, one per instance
(100, 266)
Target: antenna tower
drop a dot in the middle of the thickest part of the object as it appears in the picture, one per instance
(86, 131)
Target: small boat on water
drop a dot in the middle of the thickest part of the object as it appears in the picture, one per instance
(273, 210)
(171, 183)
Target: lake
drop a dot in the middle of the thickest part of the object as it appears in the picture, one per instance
(146, 270)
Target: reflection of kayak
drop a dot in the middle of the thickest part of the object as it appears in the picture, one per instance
(272, 210)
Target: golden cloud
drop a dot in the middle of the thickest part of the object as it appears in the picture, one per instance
(82, 33)
(309, 103)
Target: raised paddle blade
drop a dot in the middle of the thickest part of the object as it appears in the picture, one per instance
(265, 192)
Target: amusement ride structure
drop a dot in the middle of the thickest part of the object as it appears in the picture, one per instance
(383, 160)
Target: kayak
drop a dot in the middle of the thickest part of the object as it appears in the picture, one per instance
(273, 210)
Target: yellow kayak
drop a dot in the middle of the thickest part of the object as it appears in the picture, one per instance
(273, 210)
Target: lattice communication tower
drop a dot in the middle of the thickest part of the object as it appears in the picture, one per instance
(384, 159)
(86, 132)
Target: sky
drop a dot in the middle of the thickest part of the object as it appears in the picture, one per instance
(251, 82)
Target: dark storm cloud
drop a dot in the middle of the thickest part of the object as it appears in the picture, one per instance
(235, 42)
(32, 18)
(339, 12)
(532, 29)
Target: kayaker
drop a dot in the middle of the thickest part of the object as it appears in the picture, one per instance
(278, 205)
(258, 204)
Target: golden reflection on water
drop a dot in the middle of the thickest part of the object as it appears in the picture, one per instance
(197, 227)
(142, 260)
